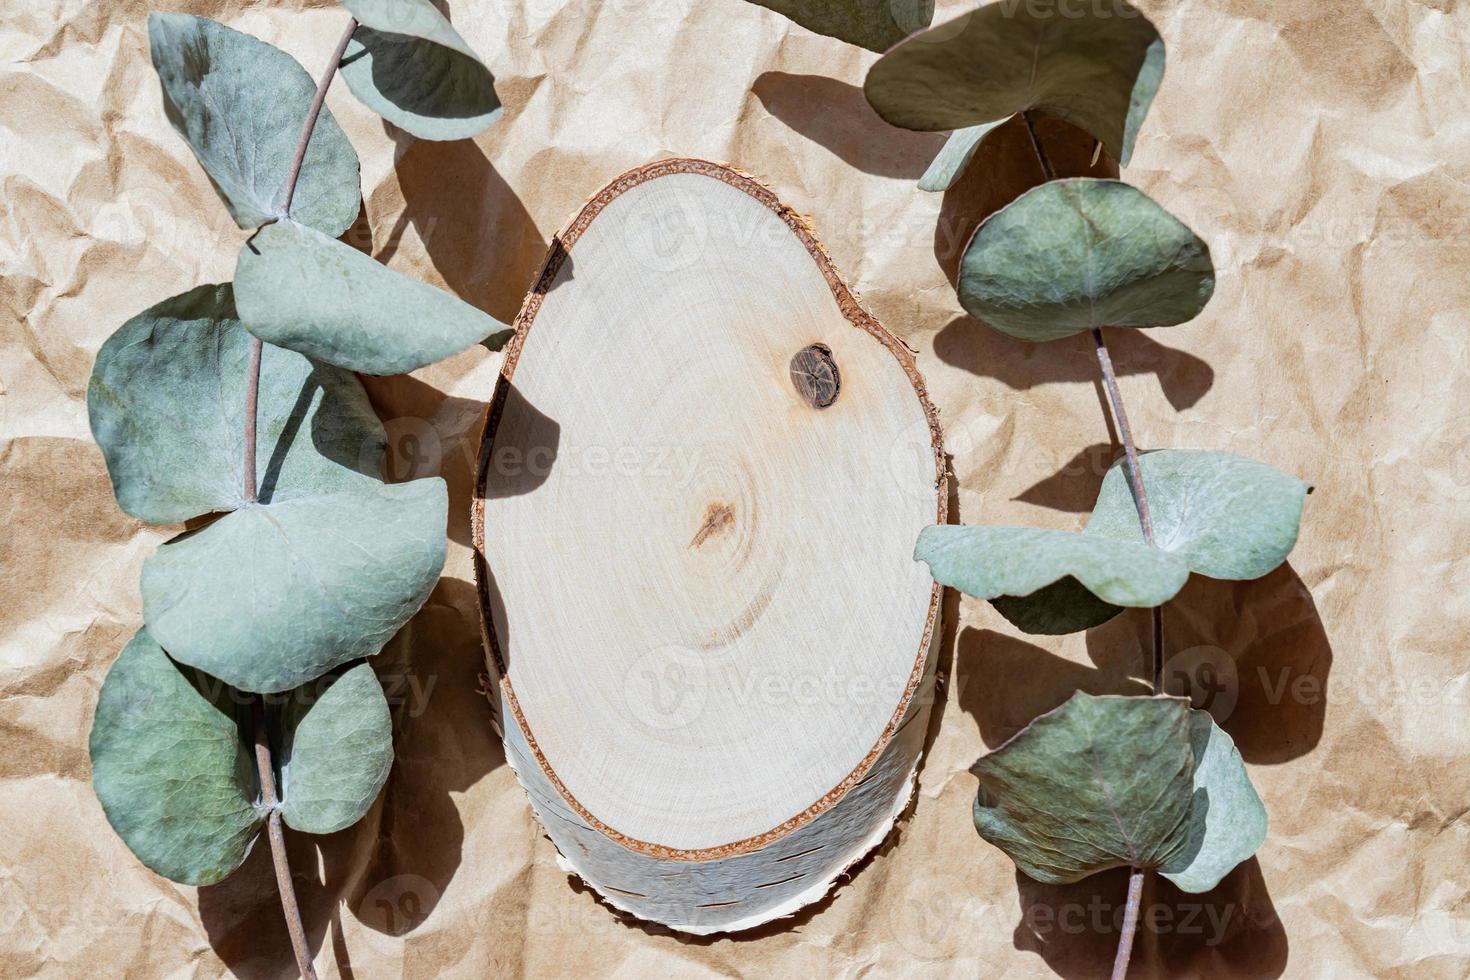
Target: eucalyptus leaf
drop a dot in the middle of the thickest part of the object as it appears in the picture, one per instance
(1227, 822)
(240, 103)
(170, 769)
(336, 749)
(873, 24)
(299, 289)
(167, 404)
(1222, 515)
(1227, 516)
(273, 595)
(1095, 68)
(987, 562)
(955, 155)
(1079, 253)
(410, 66)
(1098, 783)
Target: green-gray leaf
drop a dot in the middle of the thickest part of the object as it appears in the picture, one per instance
(273, 595)
(1098, 70)
(1080, 253)
(240, 103)
(1101, 782)
(955, 155)
(336, 750)
(170, 769)
(1228, 517)
(406, 63)
(299, 289)
(167, 403)
(1223, 515)
(986, 562)
(1227, 822)
(873, 24)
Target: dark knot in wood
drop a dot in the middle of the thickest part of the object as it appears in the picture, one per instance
(815, 375)
(717, 517)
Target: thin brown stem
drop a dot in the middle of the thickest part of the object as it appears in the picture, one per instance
(252, 398)
(1158, 642)
(1134, 473)
(1046, 168)
(277, 837)
(263, 765)
(1125, 432)
(1130, 923)
(312, 113)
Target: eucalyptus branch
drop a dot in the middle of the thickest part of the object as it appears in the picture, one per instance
(1140, 501)
(284, 883)
(166, 757)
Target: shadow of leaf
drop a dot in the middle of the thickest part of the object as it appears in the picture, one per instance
(969, 344)
(478, 234)
(1074, 487)
(1257, 657)
(1005, 682)
(837, 116)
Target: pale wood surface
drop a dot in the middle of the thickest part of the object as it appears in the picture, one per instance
(698, 566)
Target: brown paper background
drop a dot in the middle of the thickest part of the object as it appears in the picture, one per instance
(1322, 149)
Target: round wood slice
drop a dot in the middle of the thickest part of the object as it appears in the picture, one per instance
(703, 474)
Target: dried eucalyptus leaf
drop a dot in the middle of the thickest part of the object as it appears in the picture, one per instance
(273, 595)
(299, 289)
(873, 24)
(336, 747)
(410, 66)
(955, 155)
(1227, 822)
(167, 405)
(1097, 69)
(1080, 253)
(170, 769)
(1098, 783)
(240, 103)
(987, 562)
(1228, 517)
(1065, 606)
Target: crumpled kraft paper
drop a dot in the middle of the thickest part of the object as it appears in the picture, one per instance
(1323, 151)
